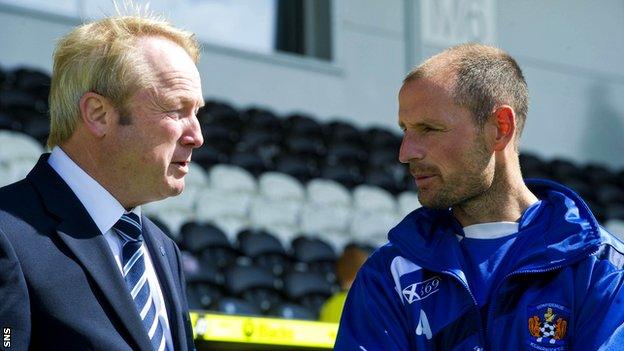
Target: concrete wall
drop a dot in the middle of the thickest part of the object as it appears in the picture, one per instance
(571, 52)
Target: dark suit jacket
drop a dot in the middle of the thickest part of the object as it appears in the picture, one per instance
(59, 285)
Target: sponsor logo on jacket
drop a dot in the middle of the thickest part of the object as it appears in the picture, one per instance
(421, 290)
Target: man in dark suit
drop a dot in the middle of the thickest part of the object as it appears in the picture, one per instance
(80, 267)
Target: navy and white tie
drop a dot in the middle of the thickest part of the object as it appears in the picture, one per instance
(135, 275)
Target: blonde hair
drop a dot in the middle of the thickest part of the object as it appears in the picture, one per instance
(101, 57)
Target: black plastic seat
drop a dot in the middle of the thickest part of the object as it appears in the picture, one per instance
(252, 162)
(347, 176)
(615, 211)
(254, 284)
(8, 123)
(302, 168)
(316, 255)
(533, 167)
(235, 306)
(385, 180)
(304, 126)
(380, 138)
(597, 175)
(220, 114)
(341, 154)
(563, 170)
(207, 242)
(608, 193)
(383, 158)
(304, 146)
(293, 311)
(263, 119)
(208, 156)
(33, 81)
(204, 286)
(339, 131)
(264, 249)
(38, 128)
(309, 289)
(219, 138)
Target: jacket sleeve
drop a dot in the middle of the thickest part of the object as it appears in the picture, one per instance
(372, 318)
(14, 301)
(600, 320)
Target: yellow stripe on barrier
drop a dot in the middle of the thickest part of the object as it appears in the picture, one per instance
(260, 330)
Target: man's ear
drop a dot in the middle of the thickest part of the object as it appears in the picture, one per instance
(504, 118)
(97, 113)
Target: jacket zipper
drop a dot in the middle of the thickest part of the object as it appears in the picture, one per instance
(482, 332)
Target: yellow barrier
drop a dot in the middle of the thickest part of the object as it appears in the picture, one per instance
(260, 330)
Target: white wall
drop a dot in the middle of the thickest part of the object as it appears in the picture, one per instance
(571, 53)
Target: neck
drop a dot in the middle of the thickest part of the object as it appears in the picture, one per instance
(88, 158)
(504, 201)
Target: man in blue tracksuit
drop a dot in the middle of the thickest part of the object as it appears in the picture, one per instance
(490, 262)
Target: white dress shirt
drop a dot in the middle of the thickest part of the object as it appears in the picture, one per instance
(105, 211)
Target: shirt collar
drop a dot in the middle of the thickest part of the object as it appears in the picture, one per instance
(103, 208)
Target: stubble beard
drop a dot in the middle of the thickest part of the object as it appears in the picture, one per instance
(465, 186)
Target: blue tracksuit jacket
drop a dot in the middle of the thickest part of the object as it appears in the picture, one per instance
(560, 287)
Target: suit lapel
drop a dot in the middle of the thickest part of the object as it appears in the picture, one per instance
(78, 231)
(158, 254)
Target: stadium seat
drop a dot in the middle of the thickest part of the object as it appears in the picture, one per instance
(263, 119)
(196, 177)
(380, 138)
(308, 289)
(281, 217)
(343, 132)
(207, 242)
(302, 168)
(256, 285)
(304, 126)
(204, 287)
(372, 198)
(314, 255)
(349, 176)
(174, 211)
(208, 156)
(326, 192)
(220, 114)
(230, 210)
(280, 187)
(407, 202)
(250, 161)
(264, 250)
(303, 146)
(219, 138)
(232, 179)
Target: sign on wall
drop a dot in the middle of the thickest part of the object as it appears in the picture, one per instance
(449, 22)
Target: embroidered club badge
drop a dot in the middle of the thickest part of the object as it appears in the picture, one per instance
(548, 325)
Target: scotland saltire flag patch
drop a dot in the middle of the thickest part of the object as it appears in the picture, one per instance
(548, 327)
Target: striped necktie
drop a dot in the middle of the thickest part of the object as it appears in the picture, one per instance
(135, 275)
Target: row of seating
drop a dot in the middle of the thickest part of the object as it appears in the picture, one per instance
(257, 274)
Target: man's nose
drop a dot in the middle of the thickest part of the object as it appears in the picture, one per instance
(193, 136)
(410, 148)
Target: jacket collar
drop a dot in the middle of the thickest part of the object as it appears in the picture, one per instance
(561, 229)
(83, 238)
